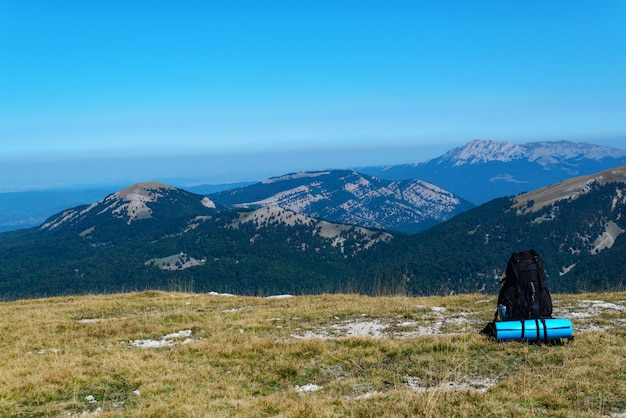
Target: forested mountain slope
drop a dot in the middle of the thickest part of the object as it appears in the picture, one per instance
(153, 236)
(577, 226)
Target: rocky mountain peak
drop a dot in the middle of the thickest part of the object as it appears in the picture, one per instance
(543, 152)
(135, 200)
(132, 204)
(145, 189)
(483, 170)
(482, 151)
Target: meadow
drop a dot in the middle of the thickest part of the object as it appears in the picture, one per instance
(160, 354)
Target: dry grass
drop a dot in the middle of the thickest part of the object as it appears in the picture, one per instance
(315, 356)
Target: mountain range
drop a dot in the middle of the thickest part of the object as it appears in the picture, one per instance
(154, 236)
(151, 235)
(484, 170)
(352, 198)
(407, 198)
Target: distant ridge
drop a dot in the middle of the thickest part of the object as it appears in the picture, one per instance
(545, 153)
(483, 170)
(349, 197)
(475, 173)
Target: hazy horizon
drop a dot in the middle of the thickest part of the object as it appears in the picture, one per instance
(191, 170)
(197, 169)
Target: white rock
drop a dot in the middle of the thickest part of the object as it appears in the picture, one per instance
(308, 388)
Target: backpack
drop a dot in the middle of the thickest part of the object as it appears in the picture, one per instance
(524, 294)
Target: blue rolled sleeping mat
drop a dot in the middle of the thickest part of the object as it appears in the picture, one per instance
(541, 330)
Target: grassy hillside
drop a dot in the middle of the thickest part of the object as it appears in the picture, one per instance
(194, 355)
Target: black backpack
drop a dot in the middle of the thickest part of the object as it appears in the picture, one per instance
(524, 294)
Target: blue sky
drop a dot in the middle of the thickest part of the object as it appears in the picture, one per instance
(102, 91)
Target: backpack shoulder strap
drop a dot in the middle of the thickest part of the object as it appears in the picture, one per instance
(541, 273)
(535, 255)
(512, 268)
